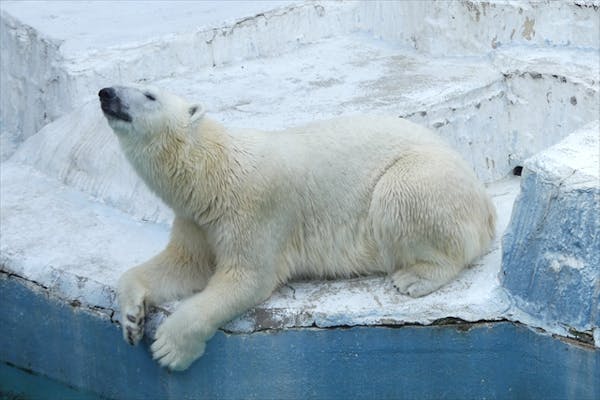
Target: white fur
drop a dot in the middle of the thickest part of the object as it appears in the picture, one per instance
(339, 198)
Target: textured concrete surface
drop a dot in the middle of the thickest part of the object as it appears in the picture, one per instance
(551, 249)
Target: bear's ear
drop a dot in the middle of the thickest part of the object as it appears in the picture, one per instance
(196, 112)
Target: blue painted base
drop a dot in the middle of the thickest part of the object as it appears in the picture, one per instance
(488, 360)
(18, 384)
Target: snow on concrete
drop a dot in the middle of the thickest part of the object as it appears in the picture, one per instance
(549, 90)
(335, 76)
(66, 241)
(551, 256)
(574, 162)
(54, 57)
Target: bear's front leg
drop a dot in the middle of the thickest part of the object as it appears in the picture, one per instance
(181, 339)
(180, 270)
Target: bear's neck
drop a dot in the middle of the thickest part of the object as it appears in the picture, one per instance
(191, 173)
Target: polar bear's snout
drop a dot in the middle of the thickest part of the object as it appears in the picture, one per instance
(112, 106)
(107, 94)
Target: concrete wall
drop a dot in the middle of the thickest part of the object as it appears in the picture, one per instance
(481, 360)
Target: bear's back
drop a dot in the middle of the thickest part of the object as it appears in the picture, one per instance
(354, 147)
(336, 163)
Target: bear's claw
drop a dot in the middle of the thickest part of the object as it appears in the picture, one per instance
(133, 325)
(409, 283)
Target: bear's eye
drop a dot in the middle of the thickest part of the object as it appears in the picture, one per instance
(149, 96)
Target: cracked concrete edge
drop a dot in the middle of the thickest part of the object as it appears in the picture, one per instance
(257, 319)
(107, 313)
(587, 340)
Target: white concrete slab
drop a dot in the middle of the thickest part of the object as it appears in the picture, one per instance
(82, 27)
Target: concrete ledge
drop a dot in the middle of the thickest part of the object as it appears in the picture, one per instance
(551, 250)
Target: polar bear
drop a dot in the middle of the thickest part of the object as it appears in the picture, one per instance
(350, 196)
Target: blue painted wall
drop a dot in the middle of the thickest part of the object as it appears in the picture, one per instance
(488, 360)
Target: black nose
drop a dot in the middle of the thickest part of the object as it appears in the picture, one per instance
(107, 93)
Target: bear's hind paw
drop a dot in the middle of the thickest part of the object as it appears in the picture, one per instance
(409, 283)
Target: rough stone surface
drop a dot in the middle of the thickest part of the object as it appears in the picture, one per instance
(551, 250)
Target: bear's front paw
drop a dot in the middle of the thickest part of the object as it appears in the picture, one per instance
(133, 309)
(132, 321)
(177, 345)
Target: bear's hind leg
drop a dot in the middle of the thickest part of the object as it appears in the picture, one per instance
(425, 220)
(423, 278)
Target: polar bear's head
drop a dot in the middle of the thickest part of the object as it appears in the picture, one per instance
(145, 111)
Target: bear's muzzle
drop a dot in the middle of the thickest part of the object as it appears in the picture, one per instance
(111, 105)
